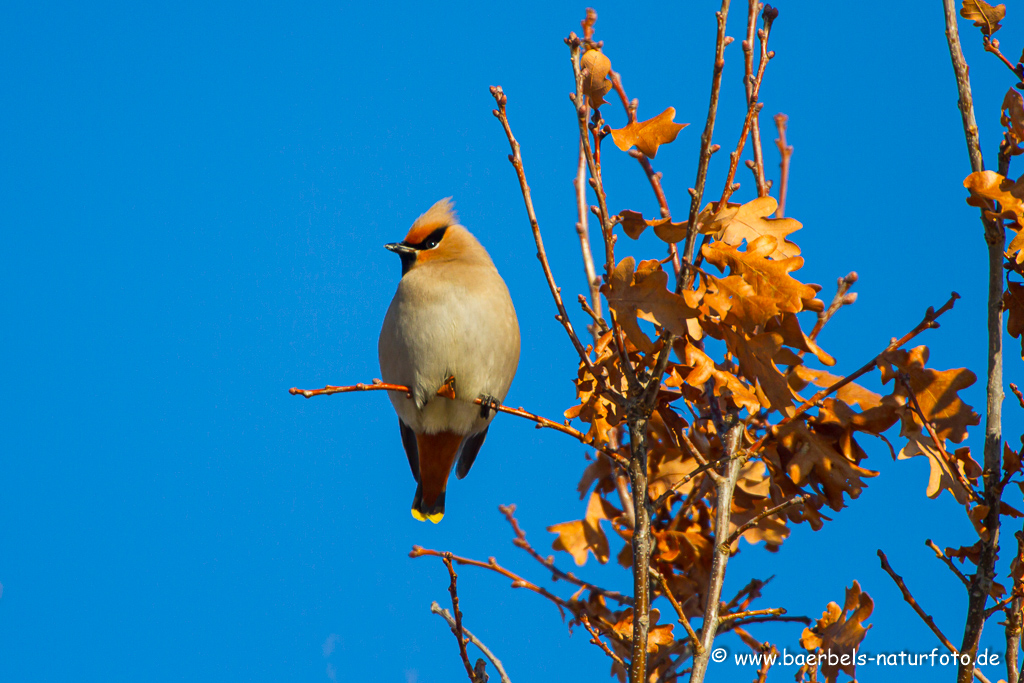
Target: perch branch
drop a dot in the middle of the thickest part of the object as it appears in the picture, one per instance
(444, 614)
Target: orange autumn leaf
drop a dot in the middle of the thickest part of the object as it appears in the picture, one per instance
(650, 134)
(813, 458)
(768, 278)
(736, 224)
(1012, 118)
(644, 294)
(852, 393)
(840, 631)
(986, 187)
(656, 635)
(755, 359)
(941, 473)
(984, 15)
(595, 80)
(937, 391)
(633, 223)
(581, 536)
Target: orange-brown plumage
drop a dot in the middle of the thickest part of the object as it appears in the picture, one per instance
(436, 457)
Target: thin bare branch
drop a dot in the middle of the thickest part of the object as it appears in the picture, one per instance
(736, 616)
(925, 617)
(841, 299)
(667, 592)
(377, 385)
(596, 640)
(549, 562)
(706, 148)
(785, 153)
(517, 162)
(446, 615)
(457, 629)
(948, 562)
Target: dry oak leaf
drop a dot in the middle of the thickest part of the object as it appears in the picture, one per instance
(755, 356)
(582, 535)
(986, 187)
(941, 475)
(648, 135)
(983, 15)
(815, 460)
(1013, 303)
(840, 631)
(595, 81)
(633, 223)
(769, 278)
(656, 635)
(1012, 118)
(851, 393)
(736, 302)
(727, 385)
(792, 335)
(733, 225)
(937, 392)
(644, 294)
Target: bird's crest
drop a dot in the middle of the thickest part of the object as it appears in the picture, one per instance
(440, 215)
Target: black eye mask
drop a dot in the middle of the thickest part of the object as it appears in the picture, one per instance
(430, 241)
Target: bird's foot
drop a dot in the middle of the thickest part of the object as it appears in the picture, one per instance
(487, 404)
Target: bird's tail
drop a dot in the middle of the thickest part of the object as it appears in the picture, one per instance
(436, 456)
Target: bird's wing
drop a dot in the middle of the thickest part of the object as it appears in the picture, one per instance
(467, 452)
(411, 452)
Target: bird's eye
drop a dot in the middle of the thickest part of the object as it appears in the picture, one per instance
(433, 239)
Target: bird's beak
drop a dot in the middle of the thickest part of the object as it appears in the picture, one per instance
(399, 248)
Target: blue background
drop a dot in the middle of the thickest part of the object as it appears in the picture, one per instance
(194, 200)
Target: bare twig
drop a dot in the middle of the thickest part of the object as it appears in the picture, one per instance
(753, 106)
(593, 282)
(549, 562)
(948, 562)
(736, 616)
(706, 149)
(446, 615)
(841, 299)
(457, 629)
(492, 564)
(694, 640)
(596, 640)
(785, 152)
(925, 617)
(517, 162)
(1017, 392)
(377, 385)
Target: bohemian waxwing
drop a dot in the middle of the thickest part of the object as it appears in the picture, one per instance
(451, 317)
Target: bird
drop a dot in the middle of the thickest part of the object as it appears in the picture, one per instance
(451, 317)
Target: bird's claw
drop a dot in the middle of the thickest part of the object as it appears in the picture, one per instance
(487, 404)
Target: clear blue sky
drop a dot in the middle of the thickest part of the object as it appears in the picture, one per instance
(194, 200)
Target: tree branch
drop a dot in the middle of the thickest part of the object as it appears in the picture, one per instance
(446, 615)
(929, 622)
(785, 152)
(377, 385)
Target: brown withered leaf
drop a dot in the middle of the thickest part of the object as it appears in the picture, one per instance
(852, 393)
(840, 632)
(656, 635)
(812, 457)
(727, 385)
(986, 187)
(1011, 460)
(755, 356)
(644, 294)
(585, 535)
(633, 223)
(792, 335)
(1013, 304)
(984, 15)
(650, 134)
(937, 392)
(769, 278)
(595, 83)
(734, 225)
(670, 232)
(735, 300)
(1012, 118)
(941, 475)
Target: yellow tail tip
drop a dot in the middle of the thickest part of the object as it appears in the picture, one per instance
(420, 517)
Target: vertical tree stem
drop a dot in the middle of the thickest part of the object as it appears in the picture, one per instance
(981, 581)
(641, 549)
(725, 485)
